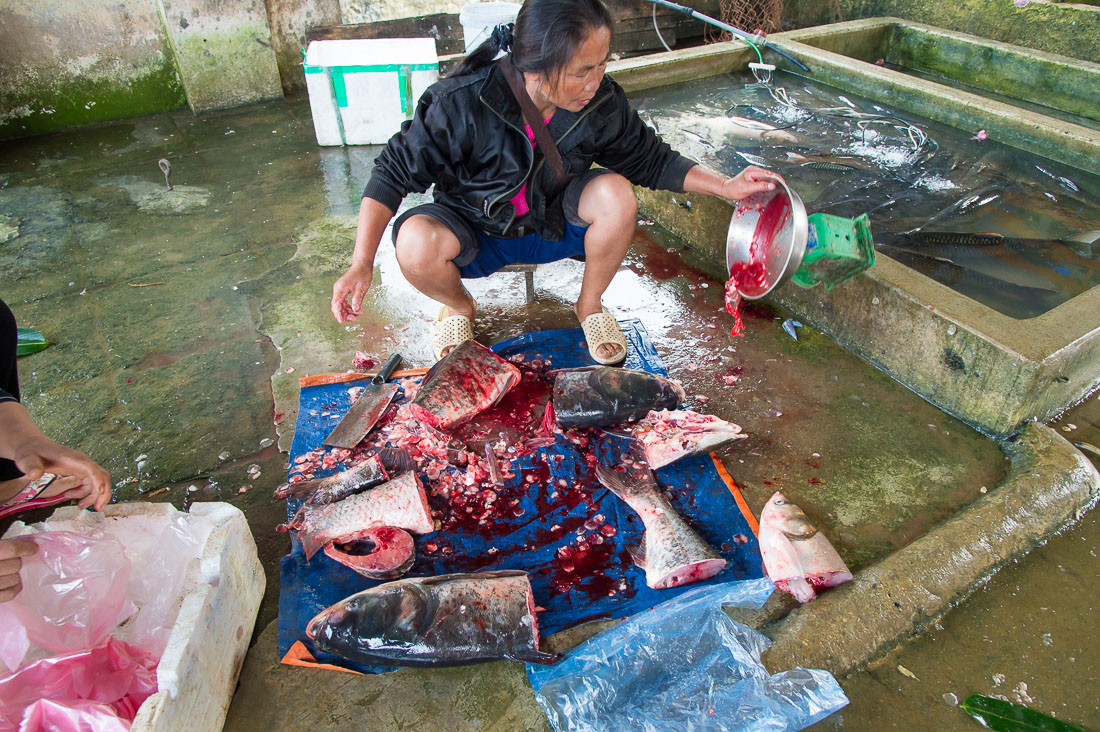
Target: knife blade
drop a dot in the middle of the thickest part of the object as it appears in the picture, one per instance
(367, 409)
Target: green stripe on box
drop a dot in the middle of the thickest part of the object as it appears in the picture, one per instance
(386, 67)
(404, 80)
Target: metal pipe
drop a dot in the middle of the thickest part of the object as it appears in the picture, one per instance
(736, 32)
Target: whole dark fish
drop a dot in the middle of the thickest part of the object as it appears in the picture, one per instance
(321, 491)
(672, 554)
(601, 395)
(449, 620)
(465, 382)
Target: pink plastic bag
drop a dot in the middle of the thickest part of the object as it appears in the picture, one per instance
(74, 591)
(78, 716)
(116, 676)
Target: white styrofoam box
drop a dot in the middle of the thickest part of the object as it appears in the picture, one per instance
(199, 668)
(361, 90)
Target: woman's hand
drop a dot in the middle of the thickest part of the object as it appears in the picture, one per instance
(79, 478)
(749, 181)
(12, 552)
(348, 293)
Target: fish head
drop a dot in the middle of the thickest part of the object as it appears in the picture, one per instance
(381, 617)
(779, 513)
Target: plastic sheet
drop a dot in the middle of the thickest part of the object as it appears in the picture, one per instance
(542, 525)
(87, 690)
(74, 592)
(164, 545)
(684, 666)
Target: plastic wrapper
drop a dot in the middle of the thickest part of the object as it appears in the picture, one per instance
(82, 689)
(163, 549)
(74, 592)
(683, 666)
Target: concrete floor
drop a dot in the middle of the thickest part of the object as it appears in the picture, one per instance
(182, 321)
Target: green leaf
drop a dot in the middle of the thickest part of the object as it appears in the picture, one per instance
(1003, 716)
(29, 341)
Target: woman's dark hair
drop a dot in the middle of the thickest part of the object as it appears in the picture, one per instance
(544, 37)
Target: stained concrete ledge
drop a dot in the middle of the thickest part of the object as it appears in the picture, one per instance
(1050, 485)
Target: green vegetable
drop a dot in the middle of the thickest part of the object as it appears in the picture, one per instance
(29, 341)
(1002, 716)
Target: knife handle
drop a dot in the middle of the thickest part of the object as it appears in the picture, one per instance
(387, 369)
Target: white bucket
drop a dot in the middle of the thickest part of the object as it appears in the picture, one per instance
(479, 19)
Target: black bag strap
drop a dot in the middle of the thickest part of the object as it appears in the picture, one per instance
(534, 120)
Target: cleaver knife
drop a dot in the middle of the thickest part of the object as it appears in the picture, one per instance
(367, 409)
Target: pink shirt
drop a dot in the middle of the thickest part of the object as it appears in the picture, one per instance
(520, 199)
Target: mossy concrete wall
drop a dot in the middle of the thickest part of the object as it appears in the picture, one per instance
(223, 51)
(1069, 29)
(289, 20)
(68, 63)
(1053, 80)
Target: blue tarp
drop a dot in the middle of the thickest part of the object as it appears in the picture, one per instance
(529, 541)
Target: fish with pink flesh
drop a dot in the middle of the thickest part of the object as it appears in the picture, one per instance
(400, 503)
(797, 557)
(380, 553)
(461, 385)
(666, 436)
(671, 554)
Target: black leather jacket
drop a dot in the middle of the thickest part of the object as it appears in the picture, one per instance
(467, 137)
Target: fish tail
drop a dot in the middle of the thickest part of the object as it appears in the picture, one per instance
(616, 483)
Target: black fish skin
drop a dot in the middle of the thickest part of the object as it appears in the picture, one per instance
(449, 620)
(322, 491)
(604, 395)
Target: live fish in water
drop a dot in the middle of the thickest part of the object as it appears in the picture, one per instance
(449, 620)
(400, 503)
(601, 395)
(465, 382)
(667, 436)
(671, 554)
(797, 557)
(382, 552)
(321, 491)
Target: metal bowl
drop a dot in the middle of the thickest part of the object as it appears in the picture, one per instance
(781, 249)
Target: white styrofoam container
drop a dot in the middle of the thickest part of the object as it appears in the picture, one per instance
(361, 90)
(199, 668)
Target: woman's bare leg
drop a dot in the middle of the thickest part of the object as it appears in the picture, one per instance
(609, 205)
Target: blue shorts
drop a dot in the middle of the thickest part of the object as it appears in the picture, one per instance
(480, 255)
(493, 253)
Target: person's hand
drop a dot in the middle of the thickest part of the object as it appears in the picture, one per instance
(749, 181)
(348, 293)
(79, 478)
(12, 552)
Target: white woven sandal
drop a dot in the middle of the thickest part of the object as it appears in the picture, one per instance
(449, 331)
(602, 329)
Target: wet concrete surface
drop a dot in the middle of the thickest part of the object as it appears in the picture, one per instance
(182, 325)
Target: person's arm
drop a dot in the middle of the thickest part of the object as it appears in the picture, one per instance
(413, 159)
(348, 291)
(701, 179)
(34, 453)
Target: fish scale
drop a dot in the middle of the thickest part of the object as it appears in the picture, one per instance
(672, 554)
(400, 503)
